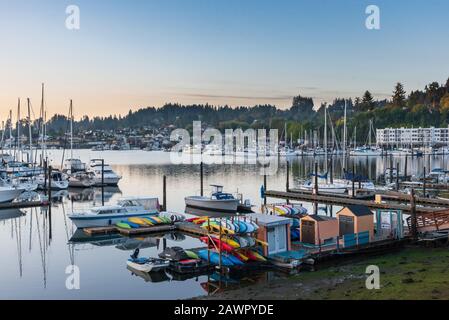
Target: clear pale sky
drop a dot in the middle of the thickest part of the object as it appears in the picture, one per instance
(132, 54)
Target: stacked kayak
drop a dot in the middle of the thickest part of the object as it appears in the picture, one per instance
(289, 210)
(142, 222)
(232, 239)
(174, 217)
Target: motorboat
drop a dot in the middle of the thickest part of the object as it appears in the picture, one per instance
(217, 201)
(58, 181)
(22, 169)
(339, 188)
(103, 173)
(81, 180)
(439, 175)
(73, 165)
(128, 207)
(366, 151)
(26, 183)
(8, 192)
(148, 264)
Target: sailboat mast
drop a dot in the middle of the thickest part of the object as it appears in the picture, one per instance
(10, 131)
(18, 128)
(325, 136)
(71, 129)
(344, 130)
(29, 130)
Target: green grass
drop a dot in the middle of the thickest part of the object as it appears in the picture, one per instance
(413, 273)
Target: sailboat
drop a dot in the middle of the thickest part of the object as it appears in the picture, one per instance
(367, 150)
(324, 186)
(76, 170)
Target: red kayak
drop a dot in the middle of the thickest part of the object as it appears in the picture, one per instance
(220, 244)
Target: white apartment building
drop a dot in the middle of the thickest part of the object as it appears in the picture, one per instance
(416, 137)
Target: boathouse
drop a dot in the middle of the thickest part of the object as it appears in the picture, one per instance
(317, 229)
(356, 219)
(274, 230)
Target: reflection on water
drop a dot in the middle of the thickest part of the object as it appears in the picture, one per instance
(38, 244)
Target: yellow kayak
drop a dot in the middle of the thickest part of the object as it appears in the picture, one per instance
(148, 221)
(241, 256)
(263, 243)
(216, 228)
(231, 242)
(138, 221)
(157, 219)
(258, 255)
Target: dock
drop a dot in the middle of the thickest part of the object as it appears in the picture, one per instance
(129, 232)
(23, 204)
(342, 201)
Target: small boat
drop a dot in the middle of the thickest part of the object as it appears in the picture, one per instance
(324, 187)
(59, 181)
(218, 201)
(103, 173)
(146, 264)
(112, 214)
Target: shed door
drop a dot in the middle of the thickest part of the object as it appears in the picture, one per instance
(346, 224)
(308, 231)
(277, 239)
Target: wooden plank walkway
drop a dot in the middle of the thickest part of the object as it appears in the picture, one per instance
(330, 199)
(23, 204)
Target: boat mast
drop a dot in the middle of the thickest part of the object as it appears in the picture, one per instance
(71, 129)
(10, 131)
(18, 128)
(325, 136)
(29, 130)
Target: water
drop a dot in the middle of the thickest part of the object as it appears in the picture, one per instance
(33, 265)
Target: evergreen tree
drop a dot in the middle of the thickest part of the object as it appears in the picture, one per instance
(367, 101)
(399, 95)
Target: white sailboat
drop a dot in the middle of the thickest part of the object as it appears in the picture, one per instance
(103, 173)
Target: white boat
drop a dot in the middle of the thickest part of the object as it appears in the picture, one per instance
(148, 264)
(9, 193)
(439, 175)
(26, 183)
(81, 180)
(217, 201)
(109, 178)
(366, 151)
(108, 215)
(22, 169)
(325, 187)
(59, 181)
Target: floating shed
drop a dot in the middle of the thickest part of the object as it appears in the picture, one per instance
(356, 219)
(314, 228)
(274, 230)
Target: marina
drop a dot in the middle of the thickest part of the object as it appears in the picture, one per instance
(44, 232)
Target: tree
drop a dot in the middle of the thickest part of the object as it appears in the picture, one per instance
(367, 101)
(444, 103)
(399, 95)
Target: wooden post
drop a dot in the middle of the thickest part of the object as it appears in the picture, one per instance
(102, 182)
(353, 178)
(287, 183)
(164, 192)
(316, 178)
(397, 176)
(424, 183)
(49, 184)
(201, 178)
(391, 168)
(265, 189)
(331, 170)
(413, 214)
(45, 176)
(405, 168)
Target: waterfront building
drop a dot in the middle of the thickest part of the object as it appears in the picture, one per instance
(414, 137)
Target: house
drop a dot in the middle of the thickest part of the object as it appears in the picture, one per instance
(356, 219)
(274, 230)
(316, 229)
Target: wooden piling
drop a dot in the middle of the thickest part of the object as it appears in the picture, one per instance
(264, 189)
(353, 180)
(201, 178)
(397, 176)
(414, 225)
(102, 182)
(405, 168)
(316, 178)
(164, 192)
(424, 183)
(287, 182)
(50, 169)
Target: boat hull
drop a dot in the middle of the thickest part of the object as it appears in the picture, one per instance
(84, 221)
(8, 195)
(226, 205)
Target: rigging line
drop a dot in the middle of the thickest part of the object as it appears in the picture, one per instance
(40, 246)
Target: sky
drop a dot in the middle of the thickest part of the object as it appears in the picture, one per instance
(132, 54)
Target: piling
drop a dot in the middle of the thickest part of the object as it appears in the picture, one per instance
(164, 192)
(414, 223)
(102, 182)
(397, 176)
(424, 183)
(201, 178)
(391, 168)
(316, 178)
(331, 170)
(405, 167)
(264, 189)
(49, 184)
(287, 182)
(353, 180)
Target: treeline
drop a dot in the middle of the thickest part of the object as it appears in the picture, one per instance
(427, 107)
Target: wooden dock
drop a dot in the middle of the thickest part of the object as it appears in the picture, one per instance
(129, 232)
(23, 204)
(191, 228)
(342, 201)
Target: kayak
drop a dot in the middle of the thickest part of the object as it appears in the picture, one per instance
(123, 225)
(221, 244)
(131, 224)
(139, 221)
(240, 256)
(215, 258)
(255, 256)
(191, 254)
(148, 221)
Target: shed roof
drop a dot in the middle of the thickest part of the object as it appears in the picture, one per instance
(268, 220)
(317, 217)
(359, 210)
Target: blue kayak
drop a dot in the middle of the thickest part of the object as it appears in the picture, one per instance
(215, 258)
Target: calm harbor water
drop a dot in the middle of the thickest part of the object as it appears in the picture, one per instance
(35, 255)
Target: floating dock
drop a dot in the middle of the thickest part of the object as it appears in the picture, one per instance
(24, 204)
(129, 232)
